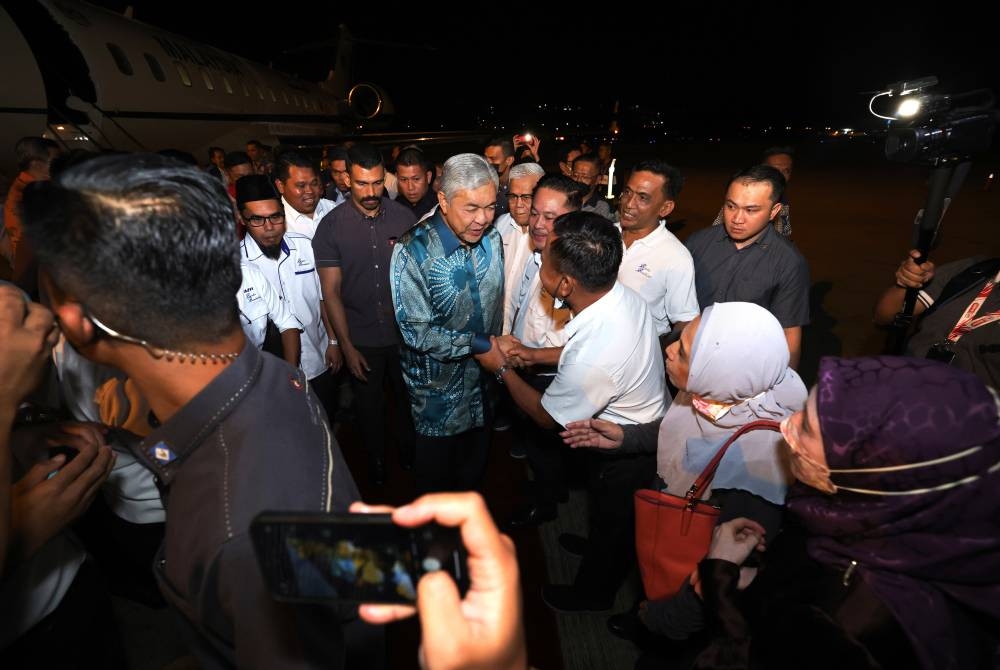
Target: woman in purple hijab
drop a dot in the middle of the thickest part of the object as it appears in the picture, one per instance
(893, 559)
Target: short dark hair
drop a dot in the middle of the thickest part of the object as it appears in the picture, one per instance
(365, 156)
(673, 180)
(588, 158)
(505, 144)
(146, 243)
(290, 159)
(762, 173)
(588, 248)
(234, 158)
(573, 190)
(212, 150)
(777, 151)
(31, 149)
(565, 149)
(180, 156)
(255, 143)
(414, 156)
(337, 154)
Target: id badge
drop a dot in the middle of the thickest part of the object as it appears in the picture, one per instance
(941, 351)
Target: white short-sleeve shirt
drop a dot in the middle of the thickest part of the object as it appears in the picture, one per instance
(258, 301)
(303, 224)
(611, 367)
(517, 249)
(659, 268)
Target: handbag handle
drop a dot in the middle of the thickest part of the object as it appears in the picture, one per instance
(706, 476)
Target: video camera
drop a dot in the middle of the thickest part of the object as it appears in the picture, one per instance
(936, 127)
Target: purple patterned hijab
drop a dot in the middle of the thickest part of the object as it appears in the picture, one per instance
(919, 550)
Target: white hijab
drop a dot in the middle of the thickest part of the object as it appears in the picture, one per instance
(739, 357)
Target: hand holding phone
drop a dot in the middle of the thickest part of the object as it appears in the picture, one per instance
(483, 628)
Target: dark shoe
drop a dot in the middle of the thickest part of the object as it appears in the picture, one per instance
(531, 516)
(567, 599)
(501, 422)
(517, 450)
(573, 544)
(627, 626)
(376, 471)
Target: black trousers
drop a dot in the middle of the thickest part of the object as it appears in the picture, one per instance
(451, 463)
(325, 388)
(370, 405)
(610, 554)
(543, 448)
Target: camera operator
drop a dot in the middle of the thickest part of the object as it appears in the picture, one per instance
(957, 312)
(482, 631)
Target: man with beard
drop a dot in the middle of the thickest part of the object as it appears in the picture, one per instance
(301, 193)
(447, 289)
(286, 259)
(353, 248)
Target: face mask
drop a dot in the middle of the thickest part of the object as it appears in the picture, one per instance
(806, 469)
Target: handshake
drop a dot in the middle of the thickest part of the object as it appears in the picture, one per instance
(507, 350)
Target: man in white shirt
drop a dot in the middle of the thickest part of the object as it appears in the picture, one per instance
(610, 368)
(513, 229)
(656, 265)
(301, 193)
(258, 303)
(286, 260)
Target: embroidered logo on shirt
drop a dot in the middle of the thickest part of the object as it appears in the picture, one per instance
(644, 271)
(162, 453)
(250, 294)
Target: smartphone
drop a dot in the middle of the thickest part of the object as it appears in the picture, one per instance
(355, 558)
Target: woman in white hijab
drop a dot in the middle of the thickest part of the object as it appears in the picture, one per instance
(731, 367)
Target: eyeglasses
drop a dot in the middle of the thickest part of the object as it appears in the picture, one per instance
(523, 197)
(578, 175)
(257, 221)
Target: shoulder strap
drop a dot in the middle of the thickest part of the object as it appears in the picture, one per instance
(706, 476)
(970, 276)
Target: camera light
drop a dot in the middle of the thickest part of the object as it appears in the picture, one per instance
(909, 108)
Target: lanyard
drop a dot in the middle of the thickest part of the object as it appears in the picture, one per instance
(968, 321)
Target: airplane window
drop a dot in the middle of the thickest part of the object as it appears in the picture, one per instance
(185, 77)
(121, 60)
(225, 82)
(260, 93)
(274, 98)
(154, 67)
(208, 80)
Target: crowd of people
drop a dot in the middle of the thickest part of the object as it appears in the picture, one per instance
(187, 368)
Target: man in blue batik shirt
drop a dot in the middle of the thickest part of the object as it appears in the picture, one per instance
(447, 289)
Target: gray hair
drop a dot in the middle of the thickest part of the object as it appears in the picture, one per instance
(464, 172)
(522, 170)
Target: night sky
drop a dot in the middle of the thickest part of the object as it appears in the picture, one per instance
(711, 65)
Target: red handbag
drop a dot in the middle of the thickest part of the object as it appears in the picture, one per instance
(673, 533)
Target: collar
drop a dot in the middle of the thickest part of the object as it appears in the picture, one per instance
(650, 239)
(430, 196)
(449, 241)
(764, 240)
(594, 199)
(164, 449)
(596, 309)
(318, 213)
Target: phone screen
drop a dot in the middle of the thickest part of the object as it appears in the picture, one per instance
(353, 557)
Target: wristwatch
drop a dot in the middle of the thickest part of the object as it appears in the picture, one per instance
(499, 373)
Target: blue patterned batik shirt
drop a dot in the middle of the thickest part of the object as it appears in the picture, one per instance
(448, 299)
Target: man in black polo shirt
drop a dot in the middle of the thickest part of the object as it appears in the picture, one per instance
(414, 173)
(234, 431)
(353, 248)
(744, 260)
